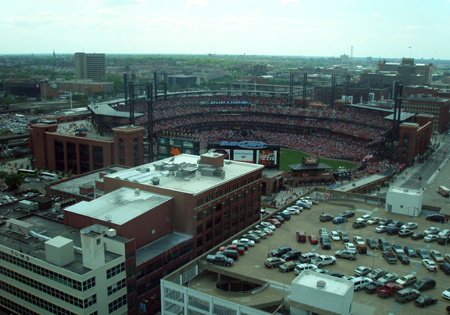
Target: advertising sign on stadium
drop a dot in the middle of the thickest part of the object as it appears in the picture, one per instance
(267, 157)
(245, 144)
(188, 145)
(225, 152)
(311, 160)
(243, 156)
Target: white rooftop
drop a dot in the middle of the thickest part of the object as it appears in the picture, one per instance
(193, 182)
(119, 206)
(333, 285)
(406, 191)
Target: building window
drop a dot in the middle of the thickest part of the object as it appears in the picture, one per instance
(131, 288)
(141, 290)
(199, 202)
(154, 266)
(186, 249)
(130, 255)
(154, 283)
(199, 229)
(171, 256)
(117, 286)
(131, 272)
(208, 224)
(199, 215)
(97, 155)
(140, 273)
(115, 305)
(115, 270)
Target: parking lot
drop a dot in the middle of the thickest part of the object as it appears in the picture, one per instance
(252, 263)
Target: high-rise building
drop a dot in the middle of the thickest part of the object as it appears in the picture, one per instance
(90, 66)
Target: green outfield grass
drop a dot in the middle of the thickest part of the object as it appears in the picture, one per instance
(289, 157)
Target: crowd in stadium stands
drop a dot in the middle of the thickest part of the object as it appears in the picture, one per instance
(334, 136)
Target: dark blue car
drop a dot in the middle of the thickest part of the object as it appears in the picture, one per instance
(339, 220)
(303, 205)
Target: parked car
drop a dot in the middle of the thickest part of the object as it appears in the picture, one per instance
(344, 236)
(361, 282)
(385, 221)
(229, 253)
(323, 260)
(397, 248)
(372, 288)
(389, 289)
(406, 295)
(301, 236)
(377, 273)
(339, 220)
(373, 221)
(363, 218)
(323, 231)
(301, 267)
(306, 257)
(429, 264)
(274, 222)
(424, 284)
(409, 250)
(350, 246)
(273, 262)
(262, 234)
(293, 211)
(403, 259)
(325, 242)
(425, 300)
(313, 239)
(358, 240)
(335, 236)
(279, 218)
(335, 274)
(362, 271)
(436, 217)
(291, 255)
(280, 251)
(358, 225)
(287, 266)
(371, 243)
(405, 233)
(409, 226)
(246, 241)
(285, 215)
(447, 258)
(239, 249)
(388, 278)
(395, 223)
(361, 248)
(346, 214)
(446, 294)
(349, 254)
(392, 230)
(252, 237)
(406, 280)
(431, 230)
(219, 260)
(422, 253)
(325, 217)
(437, 256)
(431, 238)
(381, 229)
(444, 233)
(417, 236)
(269, 225)
(383, 244)
(445, 267)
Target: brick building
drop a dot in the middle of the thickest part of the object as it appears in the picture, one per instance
(87, 87)
(436, 106)
(414, 138)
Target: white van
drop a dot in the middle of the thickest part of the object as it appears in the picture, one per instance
(361, 282)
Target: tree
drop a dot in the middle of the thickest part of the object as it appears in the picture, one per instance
(13, 180)
(3, 174)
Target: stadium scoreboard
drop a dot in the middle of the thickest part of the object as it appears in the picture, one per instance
(168, 147)
(255, 152)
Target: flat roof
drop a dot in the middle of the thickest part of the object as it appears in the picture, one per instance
(160, 246)
(333, 285)
(318, 166)
(120, 205)
(50, 228)
(72, 185)
(361, 182)
(406, 191)
(69, 128)
(403, 116)
(103, 109)
(193, 183)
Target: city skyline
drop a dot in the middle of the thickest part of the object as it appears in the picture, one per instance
(284, 27)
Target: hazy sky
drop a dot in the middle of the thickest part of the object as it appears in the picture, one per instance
(265, 27)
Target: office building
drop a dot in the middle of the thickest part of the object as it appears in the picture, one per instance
(90, 66)
(436, 106)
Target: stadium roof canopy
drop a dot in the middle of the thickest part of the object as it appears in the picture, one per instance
(106, 110)
(301, 167)
(403, 116)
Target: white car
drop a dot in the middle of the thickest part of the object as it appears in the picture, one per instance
(446, 294)
(306, 201)
(429, 264)
(362, 271)
(245, 241)
(431, 230)
(268, 230)
(358, 240)
(296, 208)
(292, 211)
(361, 282)
(26, 180)
(364, 218)
(270, 226)
(323, 260)
(409, 226)
(444, 233)
(299, 268)
(431, 238)
(381, 229)
(350, 246)
(335, 236)
(374, 220)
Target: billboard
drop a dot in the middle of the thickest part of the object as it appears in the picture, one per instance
(167, 147)
(243, 156)
(267, 157)
(225, 152)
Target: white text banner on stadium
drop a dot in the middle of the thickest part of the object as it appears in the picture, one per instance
(243, 156)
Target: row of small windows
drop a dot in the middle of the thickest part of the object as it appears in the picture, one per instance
(50, 307)
(117, 286)
(71, 283)
(227, 190)
(49, 290)
(19, 309)
(116, 304)
(156, 265)
(115, 270)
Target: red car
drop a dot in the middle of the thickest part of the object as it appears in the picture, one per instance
(279, 218)
(274, 222)
(313, 239)
(239, 249)
(389, 290)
